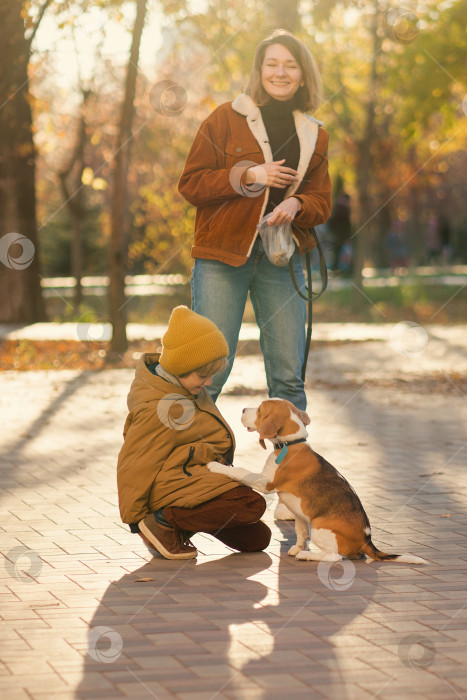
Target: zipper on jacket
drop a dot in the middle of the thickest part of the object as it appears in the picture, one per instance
(190, 455)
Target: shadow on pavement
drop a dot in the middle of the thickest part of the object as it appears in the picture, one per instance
(41, 423)
(247, 626)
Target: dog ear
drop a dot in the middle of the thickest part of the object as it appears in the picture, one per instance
(268, 428)
(304, 417)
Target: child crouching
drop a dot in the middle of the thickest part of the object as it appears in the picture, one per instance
(173, 429)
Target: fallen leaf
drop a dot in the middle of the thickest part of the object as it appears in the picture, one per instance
(42, 605)
(447, 515)
(142, 580)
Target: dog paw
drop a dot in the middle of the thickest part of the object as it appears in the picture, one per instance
(294, 550)
(303, 555)
(217, 468)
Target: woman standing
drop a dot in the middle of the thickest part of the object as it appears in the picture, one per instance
(250, 157)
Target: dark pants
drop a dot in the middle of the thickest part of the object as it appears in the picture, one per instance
(233, 518)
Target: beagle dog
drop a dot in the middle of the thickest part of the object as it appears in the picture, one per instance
(310, 487)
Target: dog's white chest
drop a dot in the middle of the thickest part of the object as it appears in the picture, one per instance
(293, 503)
(270, 467)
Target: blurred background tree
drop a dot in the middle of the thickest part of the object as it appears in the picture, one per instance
(395, 106)
(394, 94)
(19, 245)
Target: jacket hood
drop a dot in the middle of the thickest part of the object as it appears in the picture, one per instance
(147, 386)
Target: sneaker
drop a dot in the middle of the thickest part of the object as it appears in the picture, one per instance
(167, 540)
(147, 544)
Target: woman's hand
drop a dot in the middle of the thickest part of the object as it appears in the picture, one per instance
(271, 175)
(285, 212)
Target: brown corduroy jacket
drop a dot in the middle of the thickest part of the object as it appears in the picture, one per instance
(169, 437)
(232, 139)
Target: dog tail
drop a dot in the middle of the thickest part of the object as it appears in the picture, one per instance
(371, 551)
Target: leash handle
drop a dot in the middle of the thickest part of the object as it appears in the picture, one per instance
(323, 270)
(312, 296)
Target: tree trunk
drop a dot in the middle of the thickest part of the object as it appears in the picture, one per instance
(119, 202)
(416, 239)
(77, 260)
(20, 291)
(365, 226)
(382, 226)
(284, 15)
(74, 200)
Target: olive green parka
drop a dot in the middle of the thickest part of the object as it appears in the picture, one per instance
(169, 437)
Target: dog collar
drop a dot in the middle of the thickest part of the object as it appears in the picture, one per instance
(284, 448)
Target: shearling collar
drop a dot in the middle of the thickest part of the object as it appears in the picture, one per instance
(305, 126)
(243, 104)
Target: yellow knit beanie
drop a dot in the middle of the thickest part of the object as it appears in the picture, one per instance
(190, 341)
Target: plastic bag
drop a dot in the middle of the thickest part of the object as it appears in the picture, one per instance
(277, 241)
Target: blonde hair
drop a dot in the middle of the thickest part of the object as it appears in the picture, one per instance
(308, 96)
(209, 369)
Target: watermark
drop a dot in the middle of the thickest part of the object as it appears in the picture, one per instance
(168, 98)
(176, 411)
(98, 331)
(416, 651)
(464, 104)
(408, 338)
(236, 174)
(23, 564)
(401, 25)
(104, 644)
(337, 575)
(16, 251)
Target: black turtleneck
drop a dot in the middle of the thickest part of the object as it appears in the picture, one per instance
(280, 128)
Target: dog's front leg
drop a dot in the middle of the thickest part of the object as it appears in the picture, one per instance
(302, 532)
(255, 481)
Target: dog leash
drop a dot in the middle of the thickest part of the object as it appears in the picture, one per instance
(311, 295)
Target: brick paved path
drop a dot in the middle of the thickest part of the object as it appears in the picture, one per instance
(77, 624)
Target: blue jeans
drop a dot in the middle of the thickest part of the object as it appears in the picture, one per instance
(220, 291)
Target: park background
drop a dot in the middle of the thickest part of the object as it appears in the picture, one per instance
(92, 141)
(100, 101)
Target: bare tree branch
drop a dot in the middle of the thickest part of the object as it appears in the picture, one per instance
(39, 20)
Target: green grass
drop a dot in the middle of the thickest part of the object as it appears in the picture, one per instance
(422, 303)
(419, 302)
